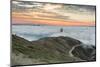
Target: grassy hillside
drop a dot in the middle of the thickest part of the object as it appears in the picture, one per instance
(47, 50)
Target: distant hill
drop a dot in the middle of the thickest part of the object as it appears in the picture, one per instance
(31, 24)
(50, 50)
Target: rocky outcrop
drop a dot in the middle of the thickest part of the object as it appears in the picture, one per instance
(50, 50)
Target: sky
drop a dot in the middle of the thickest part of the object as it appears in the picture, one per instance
(30, 12)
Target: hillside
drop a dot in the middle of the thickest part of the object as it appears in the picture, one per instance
(50, 50)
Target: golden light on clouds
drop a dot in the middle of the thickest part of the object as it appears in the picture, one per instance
(52, 14)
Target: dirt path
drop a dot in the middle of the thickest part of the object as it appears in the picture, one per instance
(70, 52)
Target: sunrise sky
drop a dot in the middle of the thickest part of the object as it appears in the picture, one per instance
(30, 12)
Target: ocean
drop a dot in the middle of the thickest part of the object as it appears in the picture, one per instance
(31, 32)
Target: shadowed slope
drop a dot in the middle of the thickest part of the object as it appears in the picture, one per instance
(49, 50)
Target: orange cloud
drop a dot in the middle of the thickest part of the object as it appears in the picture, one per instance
(32, 18)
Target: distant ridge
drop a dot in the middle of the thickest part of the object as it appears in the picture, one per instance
(50, 25)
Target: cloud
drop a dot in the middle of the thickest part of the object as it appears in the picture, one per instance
(79, 8)
(26, 4)
(56, 12)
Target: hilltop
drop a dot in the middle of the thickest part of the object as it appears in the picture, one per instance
(50, 50)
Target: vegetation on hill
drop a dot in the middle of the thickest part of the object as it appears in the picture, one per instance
(49, 50)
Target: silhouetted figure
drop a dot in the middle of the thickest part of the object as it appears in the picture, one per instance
(61, 30)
